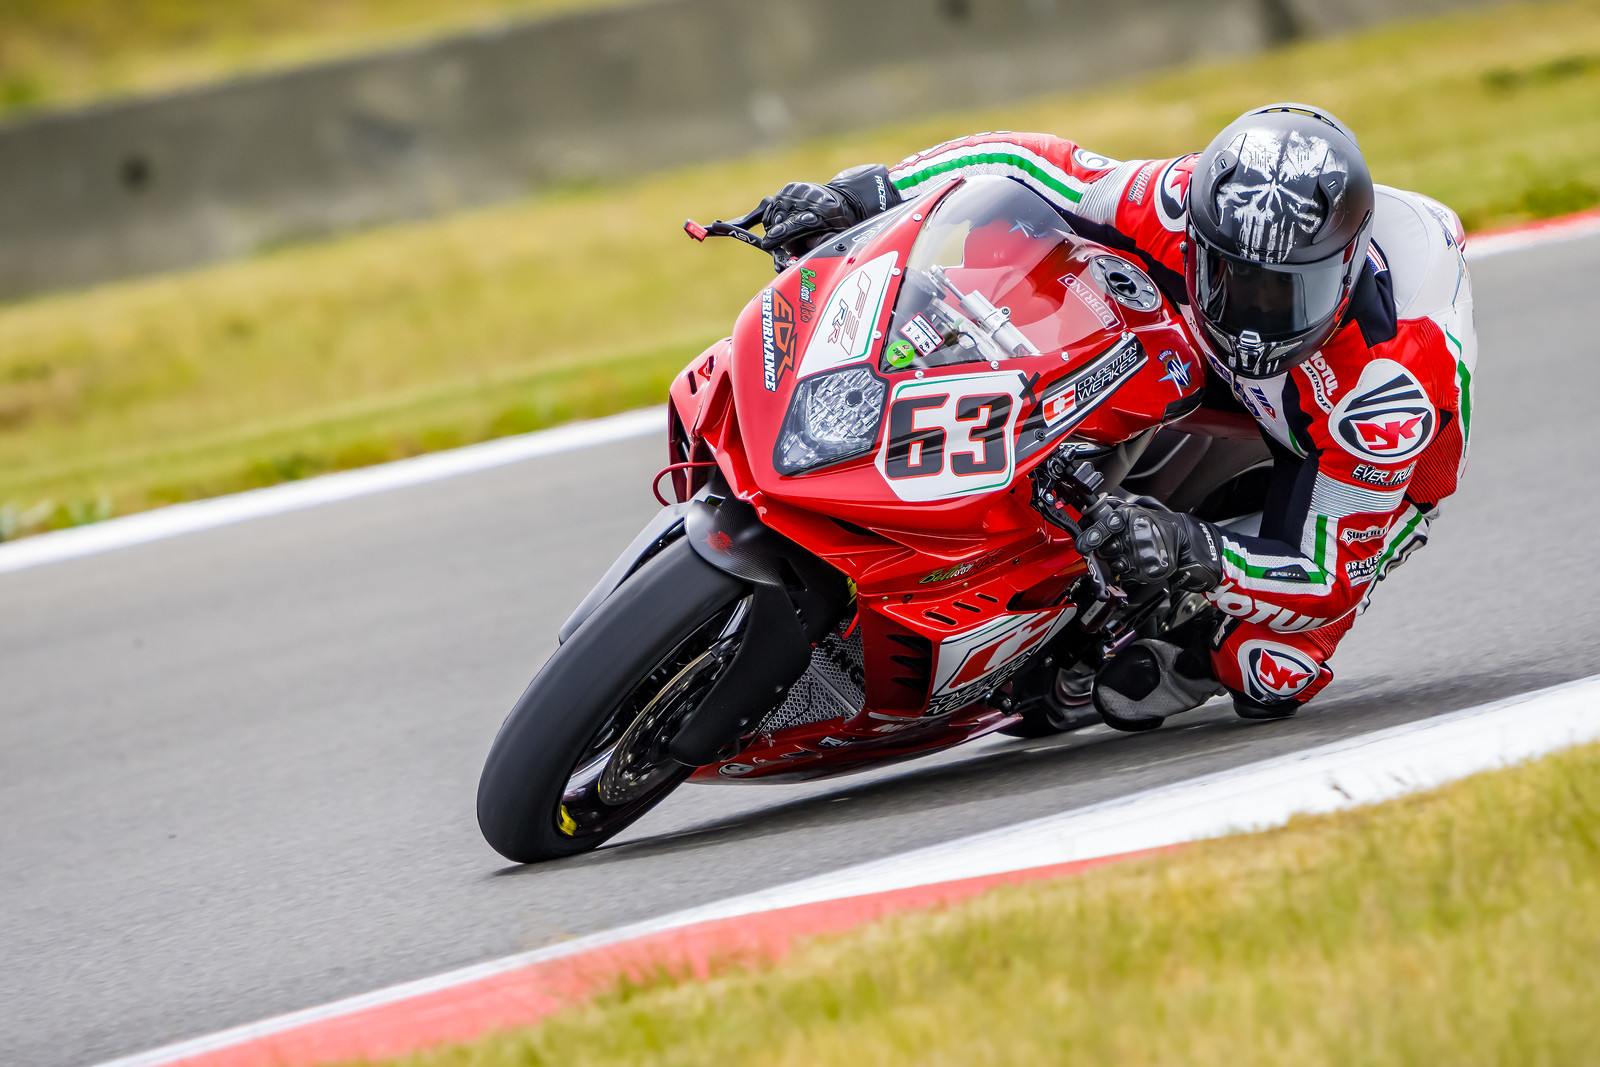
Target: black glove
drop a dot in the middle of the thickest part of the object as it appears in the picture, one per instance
(803, 214)
(1147, 543)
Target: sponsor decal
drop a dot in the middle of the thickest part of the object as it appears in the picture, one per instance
(1292, 573)
(847, 313)
(883, 192)
(1060, 405)
(1374, 476)
(901, 354)
(1360, 571)
(1141, 182)
(1080, 394)
(1231, 601)
(920, 333)
(1092, 160)
(1091, 300)
(1274, 672)
(1446, 221)
(833, 741)
(871, 231)
(894, 727)
(977, 656)
(1322, 381)
(960, 569)
(844, 333)
(719, 541)
(1259, 399)
(1177, 370)
(735, 770)
(1171, 188)
(951, 436)
(1356, 537)
(777, 336)
(1387, 416)
(808, 294)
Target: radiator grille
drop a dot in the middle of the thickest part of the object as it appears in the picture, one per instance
(833, 686)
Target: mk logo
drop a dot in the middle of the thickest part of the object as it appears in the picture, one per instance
(1281, 677)
(1389, 435)
(1387, 417)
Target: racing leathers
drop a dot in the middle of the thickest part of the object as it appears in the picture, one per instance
(1367, 437)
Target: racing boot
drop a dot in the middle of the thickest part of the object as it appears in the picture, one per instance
(1248, 707)
(1149, 680)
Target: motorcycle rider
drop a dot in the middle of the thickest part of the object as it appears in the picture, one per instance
(1335, 312)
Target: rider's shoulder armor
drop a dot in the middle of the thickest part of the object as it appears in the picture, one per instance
(1422, 242)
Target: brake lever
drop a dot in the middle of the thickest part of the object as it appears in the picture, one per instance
(739, 229)
(1058, 485)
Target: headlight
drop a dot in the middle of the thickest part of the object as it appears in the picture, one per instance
(831, 417)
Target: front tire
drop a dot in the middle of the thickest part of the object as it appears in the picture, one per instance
(583, 753)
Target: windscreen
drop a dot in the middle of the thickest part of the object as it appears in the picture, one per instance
(978, 278)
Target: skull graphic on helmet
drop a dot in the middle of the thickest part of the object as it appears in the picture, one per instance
(1268, 194)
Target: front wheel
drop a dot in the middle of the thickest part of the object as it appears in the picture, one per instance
(583, 753)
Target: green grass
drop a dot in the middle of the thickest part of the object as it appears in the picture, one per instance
(61, 52)
(400, 340)
(1458, 927)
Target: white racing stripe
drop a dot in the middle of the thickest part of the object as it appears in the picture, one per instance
(1362, 770)
(178, 519)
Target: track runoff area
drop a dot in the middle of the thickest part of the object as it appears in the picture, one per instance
(521, 989)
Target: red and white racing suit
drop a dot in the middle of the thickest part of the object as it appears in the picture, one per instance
(1369, 436)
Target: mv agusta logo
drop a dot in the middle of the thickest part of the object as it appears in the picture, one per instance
(1275, 672)
(777, 336)
(1386, 417)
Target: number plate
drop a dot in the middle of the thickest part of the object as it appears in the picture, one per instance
(951, 436)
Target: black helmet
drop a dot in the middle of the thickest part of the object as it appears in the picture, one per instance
(1280, 215)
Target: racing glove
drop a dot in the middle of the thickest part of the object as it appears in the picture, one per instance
(1144, 542)
(803, 214)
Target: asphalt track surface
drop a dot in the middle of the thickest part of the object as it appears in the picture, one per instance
(237, 768)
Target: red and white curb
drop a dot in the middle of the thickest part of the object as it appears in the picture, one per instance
(178, 519)
(1529, 235)
(521, 989)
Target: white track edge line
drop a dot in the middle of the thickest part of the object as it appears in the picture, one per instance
(177, 519)
(1365, 769)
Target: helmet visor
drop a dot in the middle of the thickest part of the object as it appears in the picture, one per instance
(1279, 301)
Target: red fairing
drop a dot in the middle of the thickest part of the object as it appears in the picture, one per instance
(1381, 416)
(958, 578)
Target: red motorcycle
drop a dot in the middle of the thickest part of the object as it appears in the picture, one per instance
(871, 556)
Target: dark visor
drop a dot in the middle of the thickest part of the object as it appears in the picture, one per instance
(1279, 301)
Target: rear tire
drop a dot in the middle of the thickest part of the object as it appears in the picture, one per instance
(619, 685)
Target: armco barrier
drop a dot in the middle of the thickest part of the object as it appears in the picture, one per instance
(188, 177)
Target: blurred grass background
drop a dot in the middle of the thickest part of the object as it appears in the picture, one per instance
(60, 52)
(1457, 927)
(586, 301)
